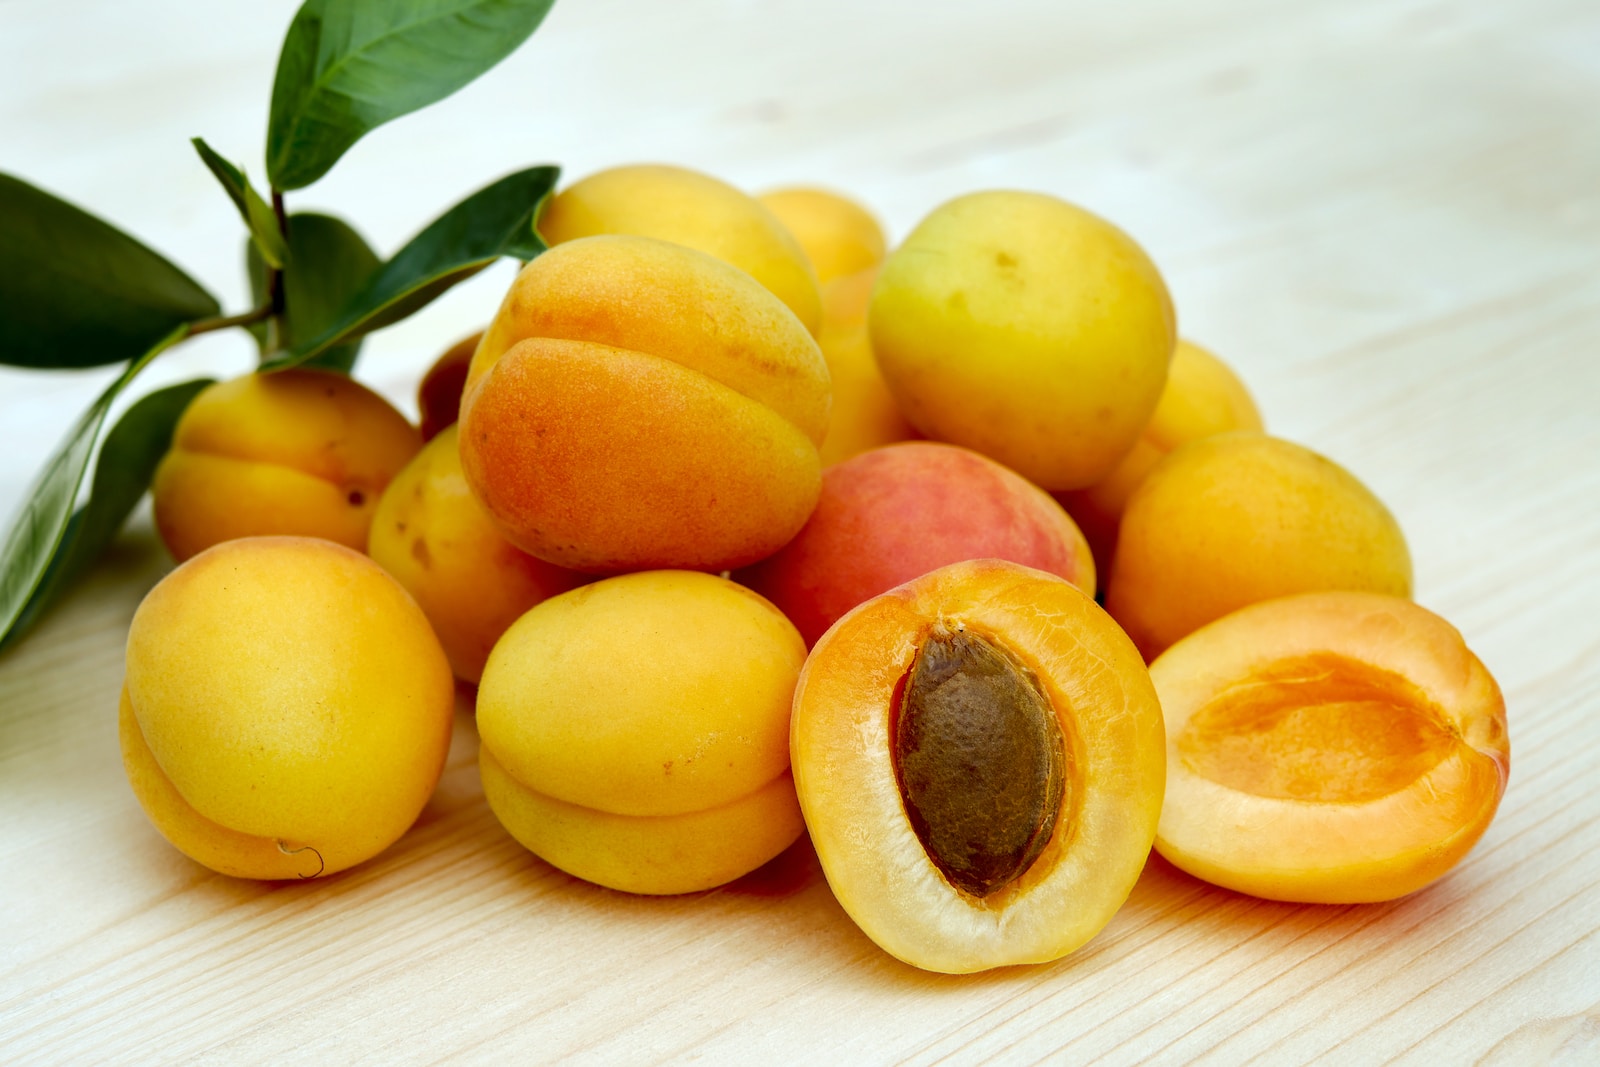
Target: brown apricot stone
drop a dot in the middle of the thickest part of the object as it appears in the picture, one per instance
(978, 755)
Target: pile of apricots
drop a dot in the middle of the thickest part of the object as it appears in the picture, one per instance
(737, 525)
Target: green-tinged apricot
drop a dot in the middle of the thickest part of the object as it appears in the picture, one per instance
(302, 452)
(979, 757)
(637, 404)
(839, 236)
(434, 537)
(1332, 748)
(1238, 518)
(286, 711)
(1202, 397)
(691, 209)
(635, 731)
(1027, 329)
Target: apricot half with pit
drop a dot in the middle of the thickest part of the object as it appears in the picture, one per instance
(1331, 748)
(979, 757)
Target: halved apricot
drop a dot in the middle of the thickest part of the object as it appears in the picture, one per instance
(1329, 748)
(978, 756)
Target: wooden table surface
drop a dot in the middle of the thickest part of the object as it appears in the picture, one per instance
(1385, 213)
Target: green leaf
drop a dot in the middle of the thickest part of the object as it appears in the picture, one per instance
(257, 213)
(495, 221)
(123, 472)
(349, 66)
(42, 522)
(329, 263)
(77, 292)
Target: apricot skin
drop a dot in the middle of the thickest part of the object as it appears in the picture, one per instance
(301, 452)
(839, 236)
(439, 394)
(1331, 748)
(894, 513)
(691, 209)
(865, 415)
(1238, 518)
(635, 731)
(431, 534)
(286, 711)
(1025, 328)
(1110, 721)
(1202, 397)
(636, 404)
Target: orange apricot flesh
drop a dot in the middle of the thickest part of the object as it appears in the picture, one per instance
(845, 747)
(1329, 748)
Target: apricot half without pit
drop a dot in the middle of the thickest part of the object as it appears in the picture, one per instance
(978, 754)
(1330, 748)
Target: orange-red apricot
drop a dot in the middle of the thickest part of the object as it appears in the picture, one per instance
(895, 513)
(979, 757)
(1330, 748)
(637, 404)
(439, 394)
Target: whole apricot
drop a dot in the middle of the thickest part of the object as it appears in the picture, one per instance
(895, 513)
(979, 757)
(1332, 748)
(865, 415)
(691, 209)
(286, 711)
(1238, 518)
(637, 404)
(1203, 396)
(1025, 328)
(439, 394)
(302, 452)
(433, 536)
(635, 731)
(839, 236)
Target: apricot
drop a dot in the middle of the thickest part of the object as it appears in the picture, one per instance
(1238, 518)
(895, 513)
(1330, 748)
(303, 452)
(865, 415)
(637, 404)
(979, 757)
(1203, 396)
(1025, 328)
(431, 534)
(286, 711)
(635, 731)
(439, 394)
(839, 236)
(692, 209)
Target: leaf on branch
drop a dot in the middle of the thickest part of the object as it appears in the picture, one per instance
(123, 472)
(78, 292)
(496, 221)
(256, 212)
(38, 528)
(329, 263)
(349, 66)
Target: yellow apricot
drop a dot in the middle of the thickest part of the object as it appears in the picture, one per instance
(1202, 397)
(302, 452)
(865, 415)
(1025, 328)
(286, 710)
(692, 209)
(840, 237)
(433, 536)
(1237, 518)
(635, 731)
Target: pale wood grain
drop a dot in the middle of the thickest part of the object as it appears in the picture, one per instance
(1387, 215)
